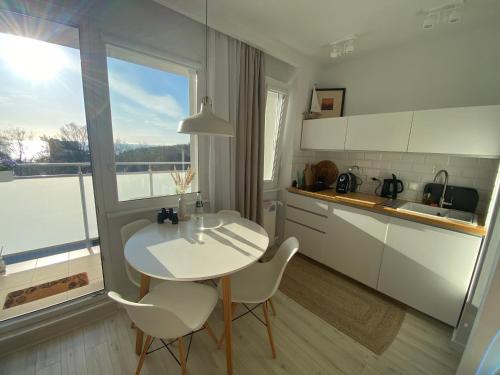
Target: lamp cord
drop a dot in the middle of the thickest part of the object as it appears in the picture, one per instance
(206, 47)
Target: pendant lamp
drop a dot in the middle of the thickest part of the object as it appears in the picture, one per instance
(206, 122)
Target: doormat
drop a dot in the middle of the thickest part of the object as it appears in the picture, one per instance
(36, 292)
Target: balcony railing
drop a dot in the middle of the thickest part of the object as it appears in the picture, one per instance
(46, 202)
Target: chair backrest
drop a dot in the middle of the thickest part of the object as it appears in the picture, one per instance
(229, 212)
(274, 269)
(151, 319)
(126, 232)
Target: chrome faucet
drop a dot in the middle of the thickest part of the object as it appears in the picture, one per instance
(441, 200)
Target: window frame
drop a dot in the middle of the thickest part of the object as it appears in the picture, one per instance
(160, 61)
(281, 88)
(32, 23)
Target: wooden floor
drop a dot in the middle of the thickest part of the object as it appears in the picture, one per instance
(305, 345)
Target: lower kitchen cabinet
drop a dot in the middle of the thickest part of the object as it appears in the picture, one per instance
(428, 268)
(355, 243)
(311, 241)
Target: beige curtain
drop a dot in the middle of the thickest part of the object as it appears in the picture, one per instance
(250, 133)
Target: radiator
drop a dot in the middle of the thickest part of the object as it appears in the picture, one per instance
(270, 208)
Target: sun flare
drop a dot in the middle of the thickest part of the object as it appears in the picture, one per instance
(32, 59)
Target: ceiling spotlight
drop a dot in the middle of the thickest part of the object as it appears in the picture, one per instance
(349, 47)
(428, 21)
(335, 52)
(343, 47)
(455, 16)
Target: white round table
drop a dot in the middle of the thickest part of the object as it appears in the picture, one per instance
(208, 247)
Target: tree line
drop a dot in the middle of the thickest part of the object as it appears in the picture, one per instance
(70, 145)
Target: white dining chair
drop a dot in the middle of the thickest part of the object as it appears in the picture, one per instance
(229, 212)
(259, 282)
(171, 311)
(126, 232)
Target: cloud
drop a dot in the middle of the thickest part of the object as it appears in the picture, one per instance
(163, 104)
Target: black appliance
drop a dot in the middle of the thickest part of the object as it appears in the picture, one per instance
(392, 187)
(346, 182)
(461, 198)
(319, 185)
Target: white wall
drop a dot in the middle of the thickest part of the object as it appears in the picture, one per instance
(455, 70)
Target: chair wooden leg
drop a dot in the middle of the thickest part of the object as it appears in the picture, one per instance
(210, 332)
(182, 355)
(145, 281)
(269, 332)
(143, 354)
(272, 306)
(221, 340)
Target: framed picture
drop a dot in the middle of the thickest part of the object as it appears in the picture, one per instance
(328, 102)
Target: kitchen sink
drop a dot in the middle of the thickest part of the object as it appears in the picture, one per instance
(438, 212)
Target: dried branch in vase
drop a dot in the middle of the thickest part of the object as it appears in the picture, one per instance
(182, 179)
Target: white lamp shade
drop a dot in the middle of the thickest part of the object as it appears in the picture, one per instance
(206, 123)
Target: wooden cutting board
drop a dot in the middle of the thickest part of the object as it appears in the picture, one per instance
(327, 169)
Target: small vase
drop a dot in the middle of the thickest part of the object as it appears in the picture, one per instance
(182, 211)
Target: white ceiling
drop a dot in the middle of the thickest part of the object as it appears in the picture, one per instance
(309, 26)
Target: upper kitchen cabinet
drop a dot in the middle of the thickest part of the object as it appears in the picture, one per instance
(324, 134)
(465, 131)
(379, 132)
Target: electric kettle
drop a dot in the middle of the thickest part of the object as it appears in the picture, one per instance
(392, 187)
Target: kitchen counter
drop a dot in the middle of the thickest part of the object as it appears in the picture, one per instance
(374, 203)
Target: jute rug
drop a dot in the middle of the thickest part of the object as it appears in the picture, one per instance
(33, 293)
(367, 316)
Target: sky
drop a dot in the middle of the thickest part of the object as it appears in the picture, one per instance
(41, 90)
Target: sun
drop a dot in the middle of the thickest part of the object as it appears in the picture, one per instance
(32, 59)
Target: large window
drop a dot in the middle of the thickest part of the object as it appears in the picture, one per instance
(48, 226)
(276, 106)
(148, 98)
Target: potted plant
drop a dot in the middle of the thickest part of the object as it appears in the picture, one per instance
(7, 169)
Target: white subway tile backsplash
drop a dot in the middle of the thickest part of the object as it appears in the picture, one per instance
(488, 163)
(463, 162)
(417, 186)
(381, 164)
(401, 165)
(416, 170)
(424, 168)
(416, 158)
(373, 155)
(363, 163)
(437, 159)
(356, 155)
(391, 156)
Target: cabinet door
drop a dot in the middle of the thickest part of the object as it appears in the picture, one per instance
(355, 242)
(466, 131)
(324, 134)
(379, 132)
(317, 206)
(428, 268)
(311, 241)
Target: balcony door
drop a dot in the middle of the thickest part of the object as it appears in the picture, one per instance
(48, 230)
